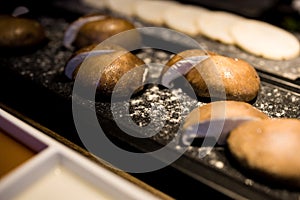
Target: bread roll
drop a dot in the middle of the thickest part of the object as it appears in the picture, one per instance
(94, 29)
(20, 35)
(222, 116)
(269, 148)
(105, 67)
(220, 76)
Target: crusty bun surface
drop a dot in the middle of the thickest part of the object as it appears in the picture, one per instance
(223, 110)
(217, 119)
(269, 148)
(220, 76)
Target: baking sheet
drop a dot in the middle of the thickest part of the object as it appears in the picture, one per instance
(45, 69)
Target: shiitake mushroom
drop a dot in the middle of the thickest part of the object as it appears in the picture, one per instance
(20, 35)
(106, 66)
(93, 29)
(220, 74)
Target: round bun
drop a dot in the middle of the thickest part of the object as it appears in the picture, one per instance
(239, 79)
(220, 76)
(223, 116)
(20, 34)
(223, 110)
(94, 29)
(269, 148)
(116, 66)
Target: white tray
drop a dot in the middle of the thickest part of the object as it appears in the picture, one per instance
(58, 172)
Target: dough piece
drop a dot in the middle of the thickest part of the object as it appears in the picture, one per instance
(263, 39)
(152, 11)
(217, 25)
(184, 18)
(124, 7)
(95, 3)
(269, 148)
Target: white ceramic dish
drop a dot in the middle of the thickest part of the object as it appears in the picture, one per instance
(58, 172)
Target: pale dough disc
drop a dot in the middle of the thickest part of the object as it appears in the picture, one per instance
(183, 18)
(152, 11)
(216, 25)
(125, 7)
(266, 40)
(95, 3)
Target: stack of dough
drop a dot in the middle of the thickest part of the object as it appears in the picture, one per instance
(256, 37)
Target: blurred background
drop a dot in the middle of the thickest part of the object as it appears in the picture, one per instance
(283, 13)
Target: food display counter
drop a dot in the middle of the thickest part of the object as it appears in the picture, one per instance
(41, 96)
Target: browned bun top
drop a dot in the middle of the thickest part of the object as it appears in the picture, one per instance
(188, 53)
(89, 49)
(97, 31)
(116, 73)
(105, 71)
(220, 76)
(237, 77)
(20, 33)
(270, 147)
(223, 110)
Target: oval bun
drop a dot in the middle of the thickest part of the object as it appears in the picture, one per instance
(269, 148)
(220, 76)
(217, 119)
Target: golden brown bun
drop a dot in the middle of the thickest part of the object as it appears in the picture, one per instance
(220, 76)
(119, 67)
(186, 54)
(20, 34)
(269, 148)
(95, 32)
(237, 77)
(223, 109)
(217, 119)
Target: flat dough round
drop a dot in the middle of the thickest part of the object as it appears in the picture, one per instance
(183, 18)
(125, 7)
(217, 25)
(152, 11)
(266, 40)
(95, 3)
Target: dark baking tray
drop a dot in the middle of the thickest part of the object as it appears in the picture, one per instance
(35, 84)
